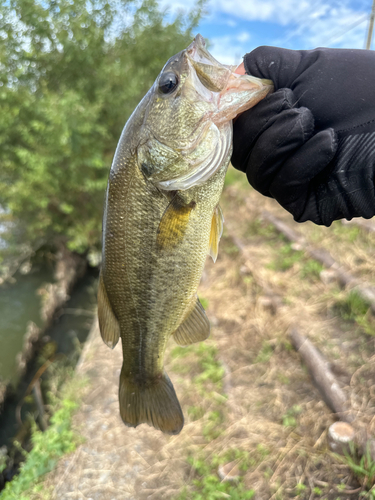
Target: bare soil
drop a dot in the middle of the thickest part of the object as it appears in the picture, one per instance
(259, 411)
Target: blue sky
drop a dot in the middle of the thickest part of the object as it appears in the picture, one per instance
(235, 27)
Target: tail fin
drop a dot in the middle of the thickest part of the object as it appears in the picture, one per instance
(155, 404)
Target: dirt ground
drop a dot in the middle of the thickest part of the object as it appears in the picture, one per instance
(251, 409)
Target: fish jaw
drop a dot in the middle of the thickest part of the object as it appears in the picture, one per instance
(232, 93)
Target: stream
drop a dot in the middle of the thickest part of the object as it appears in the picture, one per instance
(19, 303)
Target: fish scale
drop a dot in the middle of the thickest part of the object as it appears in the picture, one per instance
(161, 219)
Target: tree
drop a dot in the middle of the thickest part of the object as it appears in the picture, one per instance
(71, 73)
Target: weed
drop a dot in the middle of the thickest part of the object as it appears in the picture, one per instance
(195, 412)
(212, 370)
(236, 177)
(289, 419)
(356, 308)
(257, 227)
(204, 302)
(48, 446)
(208, 486)
(311, 269)
(352, 306)
(346, 233)
(300, 489)
(363, 468)
(212, 429)
(286, 258)
(264, 354)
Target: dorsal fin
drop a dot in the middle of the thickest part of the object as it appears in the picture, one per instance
(194, 328)
(108, 324)
(217, 225)
(174, 222)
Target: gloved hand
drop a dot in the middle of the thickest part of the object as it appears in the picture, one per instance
(311, 144)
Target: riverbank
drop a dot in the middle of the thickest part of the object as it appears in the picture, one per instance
(255, 426)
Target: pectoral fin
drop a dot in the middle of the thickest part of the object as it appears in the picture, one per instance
(217, 225)
(194, 328)
(173, 224)
(108, 324)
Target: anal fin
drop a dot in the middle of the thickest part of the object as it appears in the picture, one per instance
(217, 226)
(108, 324)
(194, 328)
(174, 222)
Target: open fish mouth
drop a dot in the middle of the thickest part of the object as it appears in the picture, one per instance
(229, 95)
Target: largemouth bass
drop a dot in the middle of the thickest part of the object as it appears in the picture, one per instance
(161, 218)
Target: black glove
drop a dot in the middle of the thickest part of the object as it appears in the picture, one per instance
(311, 144)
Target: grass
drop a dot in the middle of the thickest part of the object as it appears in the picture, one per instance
(311, 269)
(364, 470)
(47, 447)
(289, 419)
(353, 307)
(286, 258)
(208, 485)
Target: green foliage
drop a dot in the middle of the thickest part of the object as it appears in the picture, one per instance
(71, 73)
(195, 412)
(48, 446)
(257, 227)
(354, 308)
(264, 354)
(311, 269)
(290, 417)
(300, 489)
(234, 176)
(208, 486)
(286, 258)
(204, 302)
(212, 370)
(364, 469)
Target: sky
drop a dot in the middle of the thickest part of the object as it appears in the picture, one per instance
(235, 27)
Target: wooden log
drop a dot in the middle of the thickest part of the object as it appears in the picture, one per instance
(341, 436)
(323, 378)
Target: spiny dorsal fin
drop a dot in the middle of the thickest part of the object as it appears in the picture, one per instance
(194, 328)
(108, 324)
(174, 222)
(217, 225)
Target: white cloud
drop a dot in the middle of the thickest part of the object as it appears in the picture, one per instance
(243, 37)
(227, 50)
(325, 23)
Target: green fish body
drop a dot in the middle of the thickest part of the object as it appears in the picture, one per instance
(161, 218)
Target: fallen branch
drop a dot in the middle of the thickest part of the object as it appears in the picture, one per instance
(323, 378)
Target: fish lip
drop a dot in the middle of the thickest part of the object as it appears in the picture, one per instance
(197, 52)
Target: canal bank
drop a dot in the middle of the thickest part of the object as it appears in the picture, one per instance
(51, 346)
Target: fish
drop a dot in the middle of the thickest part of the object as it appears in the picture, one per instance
(161, 219)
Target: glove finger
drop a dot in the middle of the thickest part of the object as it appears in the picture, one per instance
(279, 65)
(291, 185)
(287, 133)
(252, 123)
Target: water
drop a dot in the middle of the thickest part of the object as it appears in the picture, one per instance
(19, 303)
(69, 330)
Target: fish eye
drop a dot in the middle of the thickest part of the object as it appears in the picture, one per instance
(168, 82)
